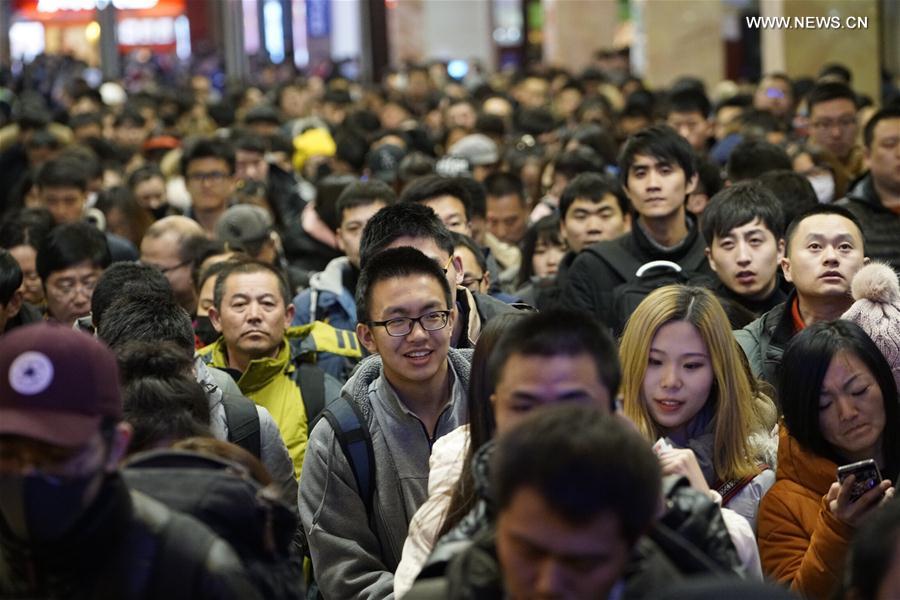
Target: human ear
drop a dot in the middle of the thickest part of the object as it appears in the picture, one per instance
(364, 333)
(119, 445)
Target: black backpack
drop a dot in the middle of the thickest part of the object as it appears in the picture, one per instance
(641, 279)
(254, 521)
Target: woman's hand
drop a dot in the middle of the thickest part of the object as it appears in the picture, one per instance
(683, 462)
(851, 513)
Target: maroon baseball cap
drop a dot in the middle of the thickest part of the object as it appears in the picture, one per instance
(56, 384)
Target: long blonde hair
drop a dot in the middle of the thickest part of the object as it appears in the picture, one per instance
(740, 410)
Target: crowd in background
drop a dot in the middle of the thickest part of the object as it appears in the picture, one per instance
(308, 337)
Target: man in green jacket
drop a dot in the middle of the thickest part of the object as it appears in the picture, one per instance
(252, 310)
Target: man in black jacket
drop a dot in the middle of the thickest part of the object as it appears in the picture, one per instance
(875, 199)
(69, 527)
(657, 171)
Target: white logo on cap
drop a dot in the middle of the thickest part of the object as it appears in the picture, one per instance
(31, 373)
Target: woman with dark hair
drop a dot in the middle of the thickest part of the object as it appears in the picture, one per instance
(840, 406)
(542, 251)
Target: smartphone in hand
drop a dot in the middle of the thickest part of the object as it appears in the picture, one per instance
(867, 477)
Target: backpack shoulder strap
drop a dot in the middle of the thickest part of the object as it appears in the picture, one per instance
(243, 423)
(731, 488)
(618, 259)
(311, 380)
(352, 433)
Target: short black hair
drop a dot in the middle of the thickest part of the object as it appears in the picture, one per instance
(122, 279)
(689, 100)
(85, 119)
(130, 115)
(709, 177)
(364, 193)
(352, 148)
(25, 227)
(803, 367)
(390, 263)
(752, 157)
(739, 205)
(10, 277)
(65, 171)
(146, 316)
(404, 219)
(593, 187)
(432, 186)
(831, 90)
(208, 148)
(241, 267)
(583, 463)
(561, 332)
(836, 70)
(889, 112)
(249, 142)
(144, 173)
(820, 209)
(465, 241)
(546, 230)
(582, 159)
(71, 244)
(793, 190)
(662, 143)
(503, 184)
(477, 196)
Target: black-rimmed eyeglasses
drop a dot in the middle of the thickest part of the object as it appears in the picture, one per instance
(401, 326)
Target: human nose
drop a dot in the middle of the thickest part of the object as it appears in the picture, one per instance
(254, 311)
(829, 255)
(847, 410)
(550, 580)
(743, 254)
(416, 330)
(670, 377)
(653, 180)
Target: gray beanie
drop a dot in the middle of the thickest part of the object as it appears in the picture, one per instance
(877, 310)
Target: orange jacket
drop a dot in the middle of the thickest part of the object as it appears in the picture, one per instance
(801, 543)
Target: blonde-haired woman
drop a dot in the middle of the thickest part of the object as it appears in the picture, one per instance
(686, 382)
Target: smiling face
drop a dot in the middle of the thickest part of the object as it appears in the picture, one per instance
(851, 408)
(826, 251)
(657, 188)
(528, 382)
(678, 379)
(253, 316)
(420, 356)
(747, 259)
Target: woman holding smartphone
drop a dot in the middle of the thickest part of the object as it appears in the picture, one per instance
(687, 387)
(840, 406)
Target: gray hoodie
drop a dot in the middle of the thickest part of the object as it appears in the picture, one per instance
(352, 557)
(273, 453)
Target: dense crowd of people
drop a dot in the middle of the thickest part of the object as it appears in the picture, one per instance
(527, 335)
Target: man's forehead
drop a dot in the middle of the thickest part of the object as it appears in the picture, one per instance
(886, 127)
(828, 225)
(257, 281)
(834, 106)
(65, 190)
(426, 246)
(647, 160)
(756, 223)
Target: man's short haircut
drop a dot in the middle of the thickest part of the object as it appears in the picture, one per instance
(503, 184)
(243, 267)
(593, 187)
(130, 116)
(391, 263)
(739, 205)
(404, 219)
(433, 186)
(583, 159)
(62, 172)
(122, 279)
(662, 143)
(793, 190)
(86, 119)
(145, 316)
(890, 112)
(364, 193)
(689, 100)
(71, 244)
(836, 70)
(753, 157)
(737, 101)
(583, 464)
(208, 148)
(465, 241)
(144, 173)
(560, 332)
(821, 209)
(188, 234)
(831, 90)
(10, 277)
(26, 227)
(248, 142)
(478, 196)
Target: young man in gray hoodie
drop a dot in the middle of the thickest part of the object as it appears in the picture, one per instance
(409, 393)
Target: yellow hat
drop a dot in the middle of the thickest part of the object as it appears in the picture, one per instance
(312, 142)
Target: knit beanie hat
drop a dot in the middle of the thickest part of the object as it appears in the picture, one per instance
(877, 310)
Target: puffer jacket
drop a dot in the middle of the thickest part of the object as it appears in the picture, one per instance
(801, 543)
(880, 226)
(764, 339)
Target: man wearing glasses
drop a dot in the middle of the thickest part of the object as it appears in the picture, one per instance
(833, 125)
(411, 393)
(208, 168)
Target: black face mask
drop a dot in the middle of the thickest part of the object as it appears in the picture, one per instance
(205, 331)
(40, 509)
